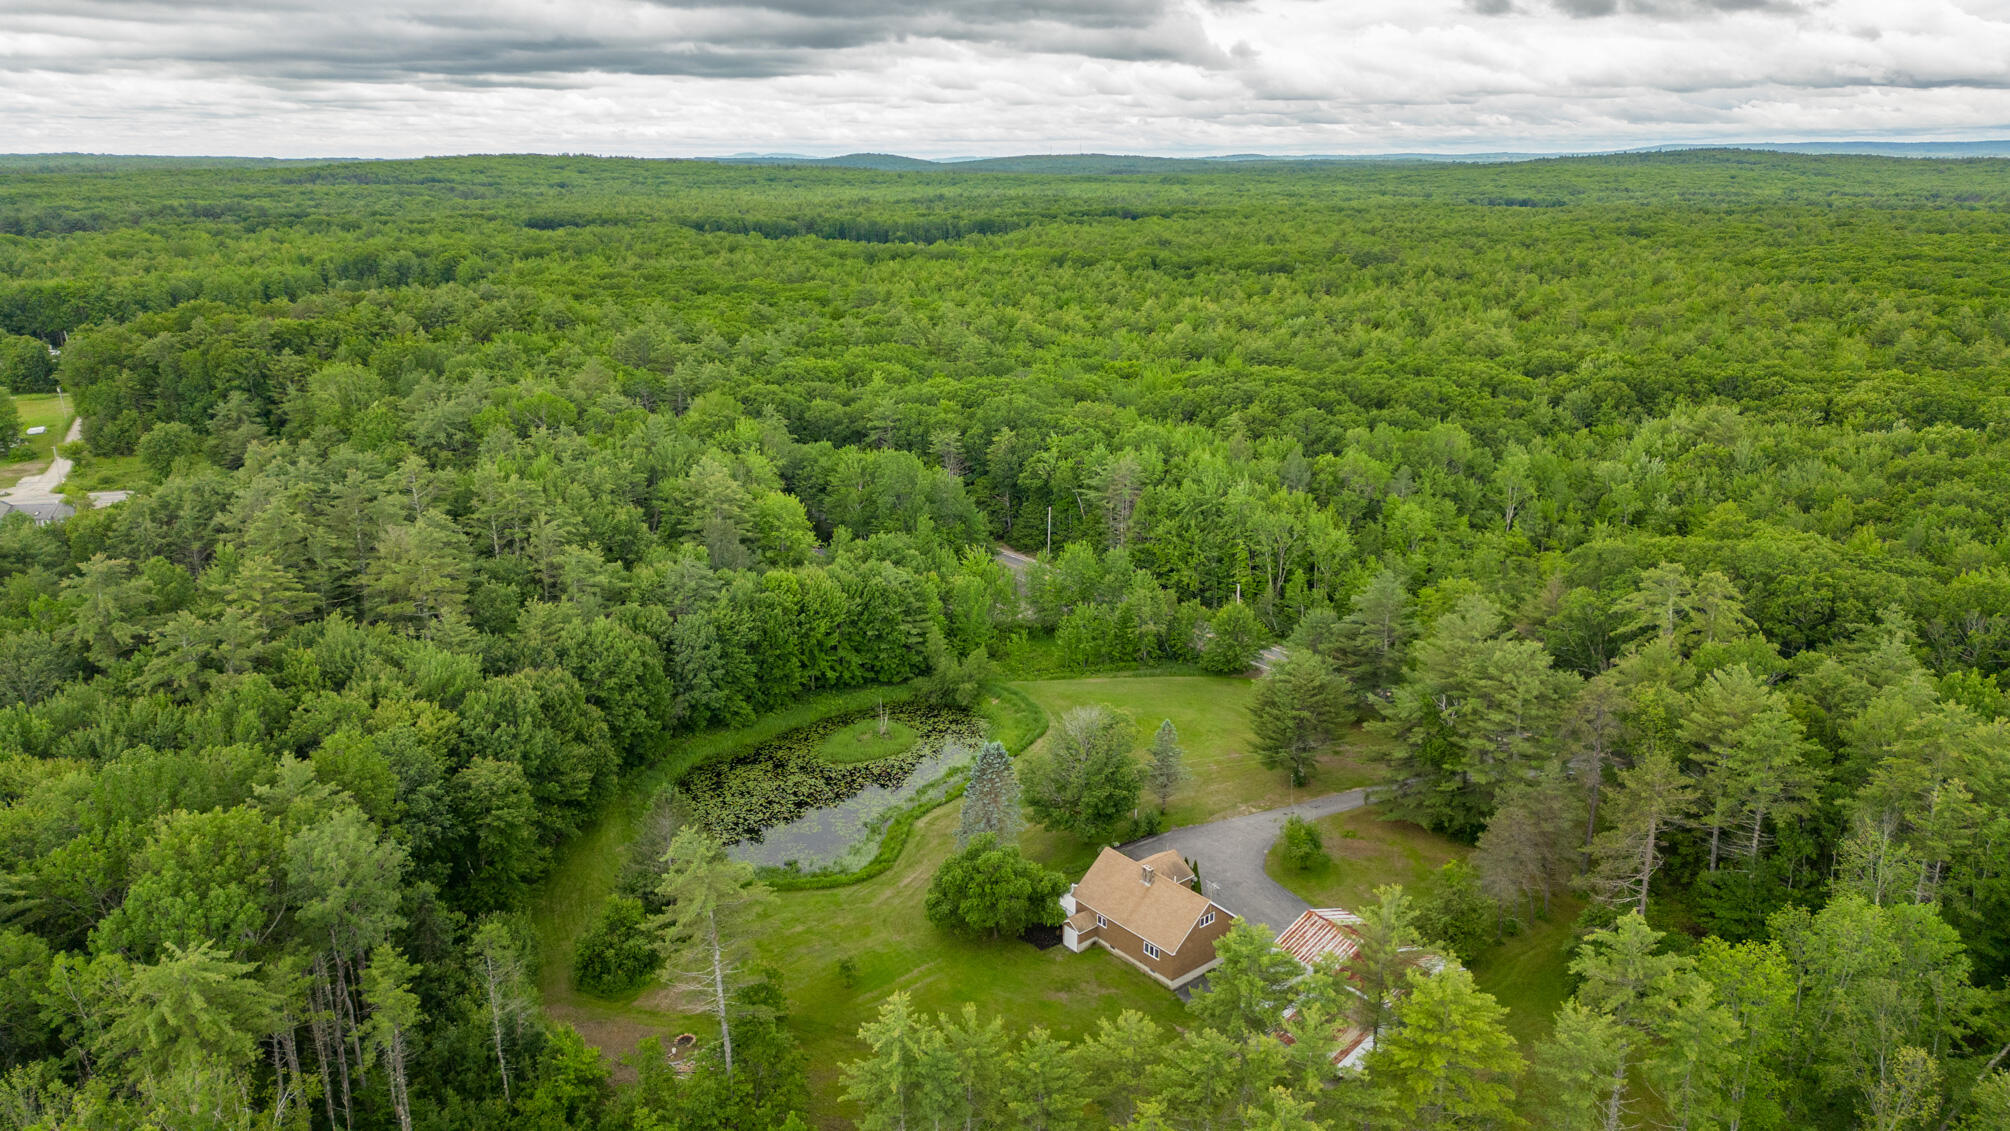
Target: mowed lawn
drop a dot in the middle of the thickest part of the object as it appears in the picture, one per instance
(33, 456)
(879, 926)
(1211, 714)
(1363, 852)
(1529, 972)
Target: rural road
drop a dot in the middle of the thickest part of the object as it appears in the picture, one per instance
(1230, 855)
(46, 487)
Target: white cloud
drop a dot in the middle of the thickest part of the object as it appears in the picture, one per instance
(950, 77)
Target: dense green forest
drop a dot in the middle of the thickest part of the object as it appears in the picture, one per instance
(1652, 508)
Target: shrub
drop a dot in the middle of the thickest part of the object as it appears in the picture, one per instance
(1302, 847)
(1457, 913)
(616, 954)
(989, 890)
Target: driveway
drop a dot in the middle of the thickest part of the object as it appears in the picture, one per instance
(1230, 855)
(46, 485)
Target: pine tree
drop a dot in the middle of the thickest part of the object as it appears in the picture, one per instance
(710, 896)
(1086, 783)
(1374, 635)
(1445, 1060)
(1388, 946)
(1249, 989)
(1297, 710)
(1168, 765)
(1046, 1087)
(1649, 800)
(991, 800)
(394, 1021)
(906, 1080)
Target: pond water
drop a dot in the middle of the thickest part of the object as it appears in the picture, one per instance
(782, 804)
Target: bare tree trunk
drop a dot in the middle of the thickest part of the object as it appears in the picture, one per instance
(719, 991)
(395, 1062)
(317, 1026)
(1647, 864)
(1614, 1104)
(495, 1020)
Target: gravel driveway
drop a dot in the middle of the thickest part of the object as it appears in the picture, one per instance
(1230, 855)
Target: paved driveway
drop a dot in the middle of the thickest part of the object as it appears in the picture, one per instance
(1230, 855)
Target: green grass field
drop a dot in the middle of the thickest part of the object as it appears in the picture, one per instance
(108, 473)
(1363, 852)
(36, 409)
(1530, 972)
(879, 926)
(1211, 714)
(862, 742)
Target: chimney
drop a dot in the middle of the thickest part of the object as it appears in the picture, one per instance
(1147, 869)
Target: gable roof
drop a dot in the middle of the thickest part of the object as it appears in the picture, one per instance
(1162, 912)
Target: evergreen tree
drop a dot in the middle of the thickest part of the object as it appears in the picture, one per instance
(1250, 987)
(1374, 636)
(1298, 709)
(905, 1080)
(1167, 771)
(710, 898)
(1445, 1059)
(991, 800)
(1650, 798)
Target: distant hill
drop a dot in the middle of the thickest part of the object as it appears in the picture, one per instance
(1119, 163)
(107, 162)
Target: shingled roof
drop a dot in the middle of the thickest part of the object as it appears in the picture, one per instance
(1162, 911)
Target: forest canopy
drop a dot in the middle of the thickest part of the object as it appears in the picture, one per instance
(1676, 484)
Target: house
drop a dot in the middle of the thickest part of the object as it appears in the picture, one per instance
(1326, 937)
(42, 513)
(1149, 912)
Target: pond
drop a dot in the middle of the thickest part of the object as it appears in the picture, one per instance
(782, 804)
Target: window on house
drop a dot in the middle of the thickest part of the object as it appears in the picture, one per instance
(1151, 951)
(1206, 919)
(1102, 922)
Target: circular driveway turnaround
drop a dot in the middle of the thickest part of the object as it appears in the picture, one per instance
(1230, 855)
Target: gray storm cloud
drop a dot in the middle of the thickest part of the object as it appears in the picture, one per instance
(943, 77)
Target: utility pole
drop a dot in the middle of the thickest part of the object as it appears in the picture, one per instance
(1050, 530)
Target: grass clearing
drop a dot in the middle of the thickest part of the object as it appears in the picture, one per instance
(108, 473)
(43, 410)
(862, 742)
(1211, 714)
(879, 926)
(1530, 972)
(1363, 852)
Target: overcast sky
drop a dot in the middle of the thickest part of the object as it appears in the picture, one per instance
(971, 77)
